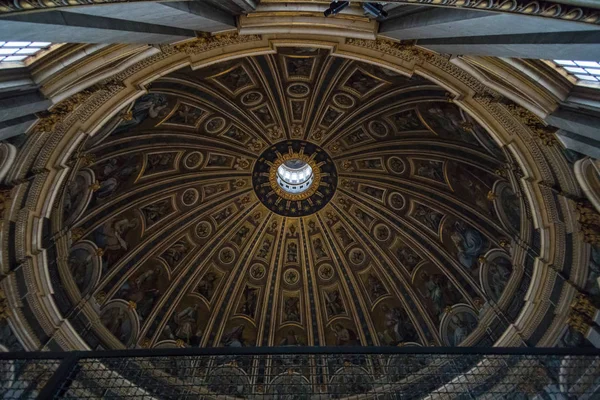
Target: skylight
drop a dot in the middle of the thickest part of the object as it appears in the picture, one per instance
(18, 52)
(584, 71)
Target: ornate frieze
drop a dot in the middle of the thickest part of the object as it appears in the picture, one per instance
(547, 9)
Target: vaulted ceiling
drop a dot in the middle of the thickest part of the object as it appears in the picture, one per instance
(177, 239)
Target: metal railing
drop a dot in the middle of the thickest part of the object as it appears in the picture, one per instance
(304, 373)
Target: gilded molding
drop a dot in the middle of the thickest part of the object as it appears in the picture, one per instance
(589, 222)
(208, 42)
(546, 9)
(412, 53)
(48, 123)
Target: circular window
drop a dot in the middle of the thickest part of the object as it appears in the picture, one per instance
(294, 176)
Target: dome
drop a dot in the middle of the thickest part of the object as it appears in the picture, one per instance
(423, 208)
(186, 233)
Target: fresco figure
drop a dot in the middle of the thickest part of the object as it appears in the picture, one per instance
(300, 66)
(111, 238)
(149, 278)
(469, 244)
(113, 173)
(176, 252)
(235, 79)
(264, 248)
(319, 250)
(333, 303)
(250, 301)
(470, 187)
(433, 292)
(361, 82)
(345, 336)
(398, 327)
(461, 325)
(81, 264)
(206, 286)
(499, 273)
(74, 195)
(439, 290)
(234, 338)
(292, 339)
(186, 321)
(117, 322)
(146, 304)
(376, 288)
(433, 170)
(428, 217)
(292, 309)
(511, 207)
(156, 211)
(292, 252)
(151, 105)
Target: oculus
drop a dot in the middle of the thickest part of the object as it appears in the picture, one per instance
(294, 178)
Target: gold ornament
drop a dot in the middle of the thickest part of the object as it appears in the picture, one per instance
(504, 243)
(582, 305)
(242, 164)
(87, 159)
(206, 42)
(4, 202)
(95, 186)
(579, 323)
(4, 306)
(76, 234)
(491, 196)
(297, 131)
(275, 132)
(467, 126)
(99, 252)
(128, 116)
(100, 297)
(317, 135)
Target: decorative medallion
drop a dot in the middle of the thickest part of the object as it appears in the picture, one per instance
(298, 90)
(343, 100)
(291, 277)
(257, 271)
(252, 98)
(326, 272)
(203, 229)
(382, 232)
(396, 165)
(294, 178)
(396, 201)
(190, 197)
(193, 160)
(215, 125)
(378, 128)
(227, 255)
(357, 256)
